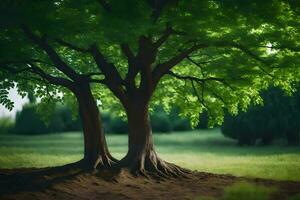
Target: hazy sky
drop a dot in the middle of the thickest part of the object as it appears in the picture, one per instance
(18, 103)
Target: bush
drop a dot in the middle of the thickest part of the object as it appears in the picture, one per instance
(118, 125)
(278, 118)
(28, 121)
(160, 122)
(179, 123)
(63, 116)
(6, 125)
(203, 121)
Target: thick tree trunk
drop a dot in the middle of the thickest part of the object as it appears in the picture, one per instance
(96, 154)
(142, 158)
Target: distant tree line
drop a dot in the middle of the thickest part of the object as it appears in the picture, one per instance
(279, 117)
(28, 121)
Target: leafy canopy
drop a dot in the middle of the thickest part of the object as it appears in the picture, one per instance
(225, 51)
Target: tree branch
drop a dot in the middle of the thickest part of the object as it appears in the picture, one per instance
(12, 70)
(32, 68)
(282, 47)
(201, 80)
(163, 38)
(112, 77)
(163, 68)
(132, 66)
(109, 70)
(58, 62)
(52, 79)
(71, 46)
(201, 100)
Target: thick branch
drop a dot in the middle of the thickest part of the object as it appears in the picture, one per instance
(32, 68)
(132, 66)
(163, 38)
(52, 79)
(163, 68)
(58, 62)
(112, 77)
(71, 46)
(109, 70)
(13, 70)
(127, 52)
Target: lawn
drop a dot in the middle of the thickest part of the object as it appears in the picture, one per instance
(205, 150)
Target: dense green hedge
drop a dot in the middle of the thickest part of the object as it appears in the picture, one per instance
(28, 121)
(161, 122)
(279, 117)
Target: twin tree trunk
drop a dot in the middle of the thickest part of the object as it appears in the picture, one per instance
(142, 157)
(96, 154)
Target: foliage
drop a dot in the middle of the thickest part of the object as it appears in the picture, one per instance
(161, 121)
(113, 123)
(6, 125)
(277, 118)
(28, 121)
(247, 191)
(222, 53)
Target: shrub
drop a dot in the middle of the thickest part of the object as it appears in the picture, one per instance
(278, 118)
(160, 122)
(6, 125)
(28, 121)
(178, 123)
(203, 121)
(118, 125)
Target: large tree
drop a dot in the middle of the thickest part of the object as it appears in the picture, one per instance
(30, 62)
(200, 55)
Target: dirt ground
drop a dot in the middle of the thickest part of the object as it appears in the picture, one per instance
(59, 183)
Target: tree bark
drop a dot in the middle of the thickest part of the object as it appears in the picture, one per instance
(96, 153)
(141, 158)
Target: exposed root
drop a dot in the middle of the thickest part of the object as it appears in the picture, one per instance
(104, 162)
(151, 165)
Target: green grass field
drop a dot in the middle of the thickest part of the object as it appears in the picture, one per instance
(204, 150)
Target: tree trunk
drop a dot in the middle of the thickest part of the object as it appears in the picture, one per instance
(142, 158)
(96, 154)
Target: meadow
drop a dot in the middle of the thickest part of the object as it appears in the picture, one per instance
(202, 150)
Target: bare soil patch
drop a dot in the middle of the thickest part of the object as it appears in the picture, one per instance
(72, 183)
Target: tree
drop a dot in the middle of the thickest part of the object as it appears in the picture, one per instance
(29, 60)
(199, 55)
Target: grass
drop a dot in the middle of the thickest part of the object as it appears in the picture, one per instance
(245, 191)
(204, 150)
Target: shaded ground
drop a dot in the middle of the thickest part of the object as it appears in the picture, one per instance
(63, 183)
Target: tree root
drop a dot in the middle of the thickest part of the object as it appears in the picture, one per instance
(105, 162)
(151, 165)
